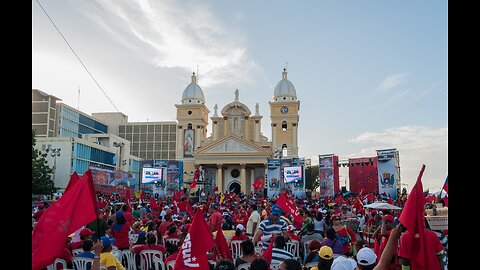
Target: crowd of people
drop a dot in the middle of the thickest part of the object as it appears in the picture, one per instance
(334, 234)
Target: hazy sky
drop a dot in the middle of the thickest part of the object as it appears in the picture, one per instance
(369, 74)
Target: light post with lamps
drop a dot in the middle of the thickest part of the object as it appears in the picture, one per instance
(55, 152)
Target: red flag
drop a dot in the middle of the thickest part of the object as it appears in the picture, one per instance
(188, 209)
(267, 254)
(127, 200)
(339, 199)
(194, 183)
(193, 252)
(74, 209)
(258, 184)
(73, 179)
(221, 247)
(289, 208)
(153, 204)
(412, 217)
(142, 195)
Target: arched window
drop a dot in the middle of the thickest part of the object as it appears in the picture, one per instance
(284, 126)
(284, 150)
(189, 126)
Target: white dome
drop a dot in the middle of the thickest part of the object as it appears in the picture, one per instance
(284, 90)
(193, 93)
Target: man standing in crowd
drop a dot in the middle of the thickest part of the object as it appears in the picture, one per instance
(271, 225)
(253, 220)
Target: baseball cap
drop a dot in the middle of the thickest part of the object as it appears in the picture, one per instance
(276, 210)
(390, 218)
(343, 263)
(326, 253)
(142, 233)
(374, 212)
(240, 226)
(86, 232)
(107, 241)
(119, 214)
(366, 256)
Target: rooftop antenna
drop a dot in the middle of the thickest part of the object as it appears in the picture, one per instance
(286, 65)
(78, 100)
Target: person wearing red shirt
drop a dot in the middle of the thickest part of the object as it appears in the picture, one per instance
(239, 233)
(120, 231)
(433, 250)
(128, 216)
(164, 225)
(386, 230)
(346, 232)
(150, 244)
(241, 218)
(84, 234)
(215, 222)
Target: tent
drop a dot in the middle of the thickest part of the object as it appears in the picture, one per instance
(381, 205)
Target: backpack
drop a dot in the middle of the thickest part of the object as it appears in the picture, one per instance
(344, 240)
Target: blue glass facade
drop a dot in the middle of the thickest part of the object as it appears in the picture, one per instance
(85, 156)
(135, 170)
(73, 124)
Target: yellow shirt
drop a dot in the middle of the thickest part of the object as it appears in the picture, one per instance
(109, 259)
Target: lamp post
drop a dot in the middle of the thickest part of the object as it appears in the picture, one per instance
(54, 152)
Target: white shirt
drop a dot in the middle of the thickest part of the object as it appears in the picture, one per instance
(254, 217)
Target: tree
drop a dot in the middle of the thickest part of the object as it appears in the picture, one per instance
(41, 179)
(311, 177)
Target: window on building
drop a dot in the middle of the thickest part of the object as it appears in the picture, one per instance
(189, 126)
(284, 126)
(284, 150)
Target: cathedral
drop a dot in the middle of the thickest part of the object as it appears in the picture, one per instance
(236, 153)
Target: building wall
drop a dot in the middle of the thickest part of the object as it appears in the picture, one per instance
(74, 123)
(43, 113)
(112, 119)
(151, 140)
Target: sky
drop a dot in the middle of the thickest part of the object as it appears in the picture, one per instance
(369, 75)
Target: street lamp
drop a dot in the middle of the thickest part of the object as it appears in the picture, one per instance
(55, 152)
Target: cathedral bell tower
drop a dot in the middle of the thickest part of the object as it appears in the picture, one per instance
(284, 117)
(192, 122)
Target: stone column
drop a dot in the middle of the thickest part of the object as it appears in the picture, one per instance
(252, 178)
(219, 178)
(295, 140)
(243, 178)
(180, 143)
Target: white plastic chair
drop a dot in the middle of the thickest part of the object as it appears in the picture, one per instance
(163, 239)
(80, 263)
(174, 241)
(310, 265)
(103, 267)
(170, 265)
(293, 247)
(243, 266)
(77, 251)
(53, 266)
(146, 258)
(235, 248)
(305, 247)
(158, 263)
(130, 259)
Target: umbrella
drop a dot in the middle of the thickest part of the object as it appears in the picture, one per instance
(380, 205)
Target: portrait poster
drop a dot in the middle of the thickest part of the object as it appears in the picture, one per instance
(188, 142)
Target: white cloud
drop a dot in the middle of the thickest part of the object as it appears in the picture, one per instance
(174, 34)
(417, 145)
(392, 81)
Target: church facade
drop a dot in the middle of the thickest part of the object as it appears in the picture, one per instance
(236, 152)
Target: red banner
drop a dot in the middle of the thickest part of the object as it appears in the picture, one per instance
(363, 177)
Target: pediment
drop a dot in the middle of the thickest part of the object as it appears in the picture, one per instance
(232, 145)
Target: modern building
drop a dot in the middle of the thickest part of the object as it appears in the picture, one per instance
(44, 113)
(77, 141)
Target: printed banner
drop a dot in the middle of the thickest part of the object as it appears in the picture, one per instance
(387, 178)
(325, 175)
(363, 175)
(103, 176)
(273, 177)
(188, 142)
(171, 178)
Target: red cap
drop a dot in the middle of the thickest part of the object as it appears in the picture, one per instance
(156, 220)
(86, 232)
(145, 220)
(390, 218)
(374, 211)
